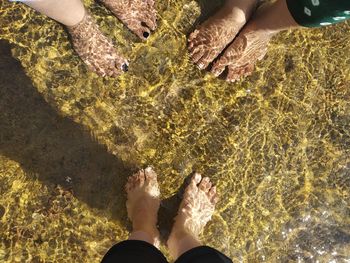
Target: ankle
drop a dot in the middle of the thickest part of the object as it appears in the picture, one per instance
(150, 229)
(143, 220)
(178, 233)
(82, 21)
(241, 10)
(179, 243)
(78, 19)
(272, 18)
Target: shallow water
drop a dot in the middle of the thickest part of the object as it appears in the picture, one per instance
(276, 144)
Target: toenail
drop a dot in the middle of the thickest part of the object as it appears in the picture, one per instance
(145, 34)
(197, 176)
(149, 169)
(125, 67)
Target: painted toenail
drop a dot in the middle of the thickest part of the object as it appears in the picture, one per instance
(145, 34)
(125, 67)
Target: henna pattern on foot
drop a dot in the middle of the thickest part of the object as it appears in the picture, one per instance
(95, 49)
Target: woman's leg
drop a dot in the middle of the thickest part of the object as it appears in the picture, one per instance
(251, 43)
(67, 12)
(93, 47)
(210, 38)
(142, 205)
(195, 212)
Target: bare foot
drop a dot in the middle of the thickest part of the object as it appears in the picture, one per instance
(139, 16)
(240, 57)
(196, 209)
(95, 49)
(211, 38)
(143, 202)
(249, 47)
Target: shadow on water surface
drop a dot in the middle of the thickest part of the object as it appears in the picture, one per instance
(55, 149)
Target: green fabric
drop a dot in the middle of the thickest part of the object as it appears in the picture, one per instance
(317, 13)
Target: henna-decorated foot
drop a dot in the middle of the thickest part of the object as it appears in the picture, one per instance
(211, 38)
(196, 208)
(95, 49)
(240, 57)
(249, 47)
(139, 16)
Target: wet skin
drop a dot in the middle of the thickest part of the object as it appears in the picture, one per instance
(139, 16)
(95, 49)
(208, 41)
(249, 46)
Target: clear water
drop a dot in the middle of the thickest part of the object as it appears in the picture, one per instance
(276, 144)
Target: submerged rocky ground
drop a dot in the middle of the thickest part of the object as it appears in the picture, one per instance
(277, 144)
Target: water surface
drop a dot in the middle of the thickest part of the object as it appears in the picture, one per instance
(277, 144)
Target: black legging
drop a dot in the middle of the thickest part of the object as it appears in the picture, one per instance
(135, 251)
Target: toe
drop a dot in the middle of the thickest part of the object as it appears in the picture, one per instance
(196, 55)
(193, 36)
(113, 71)
(192, 188)
(128, 186)
(218, 68)
(212, 192)
(196, 178)
(194, 41)
(94, 67)
(150, 21)
(205, 184)
(208, 186)
(140, 178)
(100, 72)
(233, 74)
(150, 174)
(213, 195)
(249, 70)
(190, 45)
(206, 59)
(131, 183)
(143, 32)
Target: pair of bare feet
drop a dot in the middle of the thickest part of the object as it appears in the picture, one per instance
(97, 50)
(205, 44)
(231, 40)
(195, 211)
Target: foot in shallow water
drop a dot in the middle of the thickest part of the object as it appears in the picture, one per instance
(139, 16)
(95, 49)
(211, 38)
(143, 202)
(196, 208)
(241, 56)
